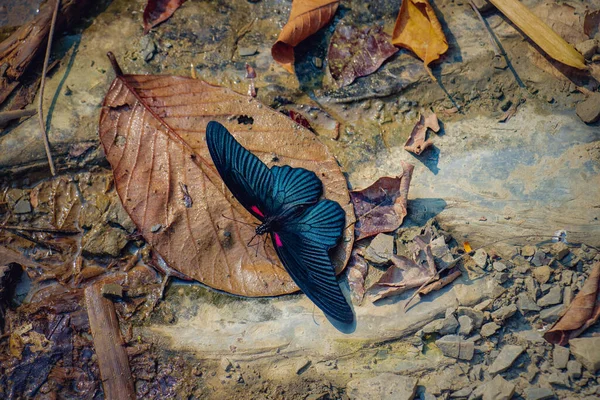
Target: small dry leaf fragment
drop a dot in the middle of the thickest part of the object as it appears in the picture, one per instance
(306, 18)
(355, 52)
(417, 141)
(158, 11)
(382, 206)
(418, 30)
(583, 312)
(547, 39)
(591, 23)
(357, 271)
(467, 247)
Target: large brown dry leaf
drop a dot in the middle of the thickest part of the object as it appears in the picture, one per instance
(582, 313)
(591, 23)
(152, 129)
(418, 30)
(158, 11)
(564, 19)
(417, 140)
(547, 39)
(306, 18)
(355, 52)
(382, 206)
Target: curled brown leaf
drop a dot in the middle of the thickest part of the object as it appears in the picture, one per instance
(158, 11)
(306, 18)
(582, 313)
(382, 206)
(417, 142)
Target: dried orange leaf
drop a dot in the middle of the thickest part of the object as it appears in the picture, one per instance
(306, 18)
(467, 247)
(152, 129)
(547, 39)
(418, 30)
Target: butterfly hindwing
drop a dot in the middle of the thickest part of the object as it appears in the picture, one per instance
(248, 178)
(303, 245)
(294, 187)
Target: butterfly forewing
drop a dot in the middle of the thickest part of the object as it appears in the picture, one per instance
(303, 245)
(248, 178)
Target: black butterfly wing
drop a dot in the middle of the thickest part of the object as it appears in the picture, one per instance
(303, 244)
(293, 187)
(248, 178)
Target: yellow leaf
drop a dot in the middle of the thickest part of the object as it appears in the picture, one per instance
(418, 30)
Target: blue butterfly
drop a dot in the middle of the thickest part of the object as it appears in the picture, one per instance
(286, 202)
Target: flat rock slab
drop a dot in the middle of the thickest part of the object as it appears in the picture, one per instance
(507, 356)
(384, 386)
(587, 351)
(292, 325)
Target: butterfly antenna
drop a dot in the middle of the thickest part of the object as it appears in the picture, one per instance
(313, 316)
(237, 220)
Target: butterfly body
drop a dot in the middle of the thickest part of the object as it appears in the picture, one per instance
(287, 202)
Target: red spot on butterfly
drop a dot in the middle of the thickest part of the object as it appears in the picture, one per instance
(257, 211)
(278, 240)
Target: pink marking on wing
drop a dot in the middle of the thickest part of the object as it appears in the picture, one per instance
(278, 240)
(257, 211)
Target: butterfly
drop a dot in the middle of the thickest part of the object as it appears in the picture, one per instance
(287, 202)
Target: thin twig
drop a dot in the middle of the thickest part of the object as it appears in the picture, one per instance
(44, 230)
(41, 99)
(497, 50)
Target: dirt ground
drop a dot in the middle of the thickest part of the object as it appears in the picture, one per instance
(483, 180)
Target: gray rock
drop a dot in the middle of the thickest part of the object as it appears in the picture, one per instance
(525, 304)
(560, 357)
(507, 356)
(104, 240)
(466, 325)
(246, 51)
(559, 250)
(574, 369)
(552, 314)
(475, 315)
(504, 313)
(499, 266)
(532, 287)
(427, 396)
(587, 351)
(450, 325)
(589, 109)
(530, 336)
(489, 329)
(501, 277)
(462, 393)
(434, 326)
(537, 393)
(380, 250)
(538, 258)
(587, 48)
(469, 295)
(532, 371)
(528, 251)
(567, 277)
(454, 346)
(553, 297)
(567, 296)
(542, 274)
(23, 206)
(147, 48)
(496, 389)
(384, 386)
(557, 378)
(480, 257)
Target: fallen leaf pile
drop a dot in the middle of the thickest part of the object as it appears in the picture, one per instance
(355, 52)
(382, 206)
(152, 129)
